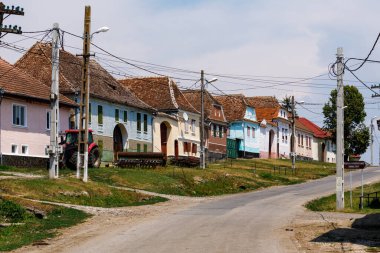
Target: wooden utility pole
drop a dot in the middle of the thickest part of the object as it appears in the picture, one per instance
(10, 11)
(82, 161)
(340, 132)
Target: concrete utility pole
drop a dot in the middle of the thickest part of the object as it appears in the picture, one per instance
(293, 147)
(340, 132)
(371, 140)
(203, 160)
(54, 149)
(84, 99)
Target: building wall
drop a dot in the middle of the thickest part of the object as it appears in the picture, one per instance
(264, 141)
(302, 147)
(34, 135)
(130, 134)
(330, 151)
(172, 133)
(191, 135)
(217, 143)
(284, 134)
(239, 130)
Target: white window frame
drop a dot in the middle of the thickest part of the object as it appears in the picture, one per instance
(193, 122)
(186, 126)
(25, 115)
(27, 149)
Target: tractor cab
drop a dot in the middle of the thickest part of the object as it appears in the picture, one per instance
(70, 149)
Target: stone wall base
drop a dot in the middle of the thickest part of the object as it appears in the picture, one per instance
(24, 161)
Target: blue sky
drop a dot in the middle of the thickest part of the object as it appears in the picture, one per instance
(274, 41)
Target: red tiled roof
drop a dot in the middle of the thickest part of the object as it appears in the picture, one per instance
(37, 62)
(15, 82)
(301, 126)
(159, 92)
(194, 96)
(317, 131)
(234, 106)
(266, 107)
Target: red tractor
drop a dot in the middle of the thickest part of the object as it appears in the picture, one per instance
(70, 150)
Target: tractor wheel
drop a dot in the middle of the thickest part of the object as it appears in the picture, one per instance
(94, 158)
(72, 161)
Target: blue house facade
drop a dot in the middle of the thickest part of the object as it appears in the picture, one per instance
(243, 125)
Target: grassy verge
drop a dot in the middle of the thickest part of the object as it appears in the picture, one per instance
(73, 191)
(328, 203)
(218, 178)
(29, 228)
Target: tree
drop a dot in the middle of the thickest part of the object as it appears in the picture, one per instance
(286, 103)
(356, 134)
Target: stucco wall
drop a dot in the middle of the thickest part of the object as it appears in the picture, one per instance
(284, 143)
(303, 150)
(34, 135)
(264, 141)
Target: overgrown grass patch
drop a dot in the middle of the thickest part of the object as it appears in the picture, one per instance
(328, 203)
(219, 178)
(30, 228)
(74, 191)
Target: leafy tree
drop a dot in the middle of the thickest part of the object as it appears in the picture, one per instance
(356, 134)
(287, 104)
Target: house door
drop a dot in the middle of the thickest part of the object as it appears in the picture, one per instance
(323, 152)
(176, 149)
(164, 138)
(117, 141)
(271, 136)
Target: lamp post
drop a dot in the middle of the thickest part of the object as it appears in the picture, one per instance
(202, 132)
(371, 135)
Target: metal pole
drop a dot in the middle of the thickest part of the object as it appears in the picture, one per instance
(340, 133)
(293, 150)
(362, 193)
(351, 189)
(54, 106)
(371, 141)
(202, 121)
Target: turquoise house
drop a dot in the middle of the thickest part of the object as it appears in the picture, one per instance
(244, 129)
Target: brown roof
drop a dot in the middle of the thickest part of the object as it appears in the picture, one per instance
(209, 101)
(234, 106)
(159, 92)
(317, 131)
(266, 107)
(15, 82)
(37, 62)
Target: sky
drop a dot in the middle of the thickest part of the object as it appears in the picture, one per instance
(253, 47)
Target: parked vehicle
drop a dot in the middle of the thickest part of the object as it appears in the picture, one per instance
(70, 150)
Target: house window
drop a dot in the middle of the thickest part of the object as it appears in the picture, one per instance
(212, 130)
(125, 118)
(253, 132)
(100, 115)
(194, 148)
(186, 147)
(48, 116)
(302, 140)
(193, 125)
(138, 122)
(299, 137)
(89, 112)
(186, 126)
(117, 115)
(14, 149)
(138, 147)
(145, 148)
(145, 123)
(19, 115)
(248, 131)
(220, 131)
(286, 135)
(24, 149)
(282, 134)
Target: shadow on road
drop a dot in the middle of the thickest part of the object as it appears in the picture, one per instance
(364, 231)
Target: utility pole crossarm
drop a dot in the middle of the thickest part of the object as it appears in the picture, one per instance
(10, 11)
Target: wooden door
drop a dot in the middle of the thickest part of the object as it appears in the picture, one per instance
(164, 138)
(117, 141)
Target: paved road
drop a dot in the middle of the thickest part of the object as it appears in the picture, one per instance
(250, 222)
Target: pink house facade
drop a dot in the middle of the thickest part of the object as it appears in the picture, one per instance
(25, 118)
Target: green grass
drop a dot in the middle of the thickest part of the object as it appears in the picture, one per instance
(223, 177)
(34, 229)
(328, 203)
(73, 191)
(218, 178)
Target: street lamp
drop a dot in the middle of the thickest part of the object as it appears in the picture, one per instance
(202, 132)
(100, 30)
(371, 135)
